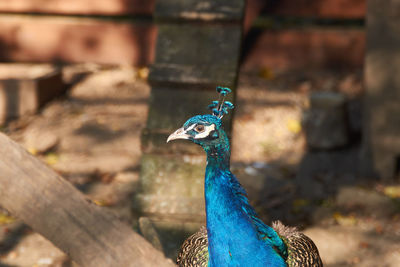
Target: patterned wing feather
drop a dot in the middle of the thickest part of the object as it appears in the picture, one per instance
(301, 249)
(194, 251)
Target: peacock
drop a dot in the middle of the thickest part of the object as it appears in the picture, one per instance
(234, 234)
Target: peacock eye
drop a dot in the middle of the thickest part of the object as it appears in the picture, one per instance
(199, 128)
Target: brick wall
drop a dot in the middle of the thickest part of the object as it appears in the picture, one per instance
(123, 32)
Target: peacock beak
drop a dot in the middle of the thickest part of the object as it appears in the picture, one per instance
(178, 134)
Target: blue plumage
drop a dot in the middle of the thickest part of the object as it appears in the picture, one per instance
(235, 235)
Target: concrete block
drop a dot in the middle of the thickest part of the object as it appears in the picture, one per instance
(197, 54)
(325, 122)
(25, 88)
(171, 185)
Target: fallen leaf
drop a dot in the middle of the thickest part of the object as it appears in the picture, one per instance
(51, 158)
(267, 74)
(6, 219)
(143, 73)
(293, 126)
(344, 220)
(102, 202)
(32, 150)
(392, 191)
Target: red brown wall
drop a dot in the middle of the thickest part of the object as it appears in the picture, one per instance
(61, 34)
(83, 7)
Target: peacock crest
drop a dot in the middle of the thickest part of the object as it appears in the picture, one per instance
(221, 107)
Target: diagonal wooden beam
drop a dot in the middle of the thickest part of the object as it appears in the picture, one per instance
(50, 205)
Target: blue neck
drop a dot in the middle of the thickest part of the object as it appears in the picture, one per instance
(233, 228)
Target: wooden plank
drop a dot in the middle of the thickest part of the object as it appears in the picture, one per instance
(82, 7)
(197, 54)
(51, 39)
(54, 208)
(207, 10)
(307, 48)
(317, 8)
(383, 86)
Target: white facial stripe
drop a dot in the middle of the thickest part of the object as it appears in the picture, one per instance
(207, 131)
(190, 128)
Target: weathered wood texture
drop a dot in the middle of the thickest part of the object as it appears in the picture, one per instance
(54, 208)
(54, 39)
(84, 7)
(197, 54)
(307, 48)
(24, 89)
(200, 10)
(383, 84)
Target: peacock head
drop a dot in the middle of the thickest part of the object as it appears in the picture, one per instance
(206, 130)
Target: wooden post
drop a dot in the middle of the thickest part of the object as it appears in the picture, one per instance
(50, 205)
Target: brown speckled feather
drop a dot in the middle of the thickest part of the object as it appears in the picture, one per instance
(301, 249)
(194, 251)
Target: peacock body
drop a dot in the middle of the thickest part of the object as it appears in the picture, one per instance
(234, 235)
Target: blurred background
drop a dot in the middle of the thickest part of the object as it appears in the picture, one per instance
(93, 88)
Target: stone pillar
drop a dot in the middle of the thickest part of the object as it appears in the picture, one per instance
(382, 76)
(198, 48)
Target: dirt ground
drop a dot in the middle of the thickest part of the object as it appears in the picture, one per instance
(91, 137)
